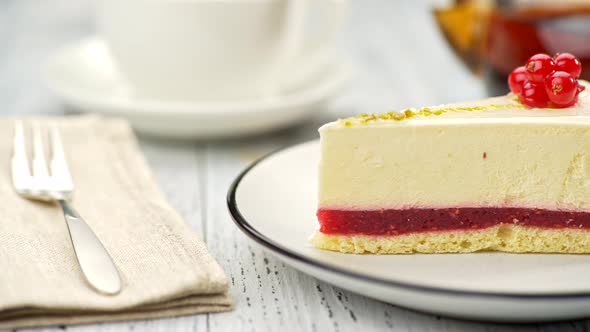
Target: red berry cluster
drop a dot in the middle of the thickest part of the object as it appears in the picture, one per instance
(547, 82)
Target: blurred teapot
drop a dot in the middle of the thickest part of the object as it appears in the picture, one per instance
(494, 37)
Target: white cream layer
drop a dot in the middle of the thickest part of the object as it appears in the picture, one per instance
(512, 157)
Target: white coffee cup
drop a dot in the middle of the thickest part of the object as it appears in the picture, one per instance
(212, 50)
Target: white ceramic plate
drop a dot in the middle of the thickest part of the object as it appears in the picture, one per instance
(84, 76)
(274, 203)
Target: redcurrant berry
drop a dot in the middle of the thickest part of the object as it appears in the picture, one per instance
(517, 79)
(538, 67)
(570, 104)
(568, 63)
(561, 88)
(534, 95)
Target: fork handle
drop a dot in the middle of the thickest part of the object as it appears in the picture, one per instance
(95, 262)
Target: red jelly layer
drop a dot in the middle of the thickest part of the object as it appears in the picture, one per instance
(396, 222)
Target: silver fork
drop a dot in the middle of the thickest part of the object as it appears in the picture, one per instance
(54, 184)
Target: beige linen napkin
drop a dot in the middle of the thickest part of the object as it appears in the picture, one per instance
(165, 266)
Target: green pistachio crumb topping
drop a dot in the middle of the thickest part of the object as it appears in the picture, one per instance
(425, 111)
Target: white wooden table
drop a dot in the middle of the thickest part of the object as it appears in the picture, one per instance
(400, 59)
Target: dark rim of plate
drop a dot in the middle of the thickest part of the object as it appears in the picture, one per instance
(260, 238)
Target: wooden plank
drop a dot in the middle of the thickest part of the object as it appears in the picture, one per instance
(179, 168)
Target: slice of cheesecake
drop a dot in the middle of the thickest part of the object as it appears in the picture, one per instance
(485, 175)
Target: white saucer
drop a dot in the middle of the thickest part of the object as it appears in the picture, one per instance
(84, 76)
(274, 202)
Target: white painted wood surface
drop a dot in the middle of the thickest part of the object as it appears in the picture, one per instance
(400, 59)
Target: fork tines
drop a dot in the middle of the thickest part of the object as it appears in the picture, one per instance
(42, 177)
